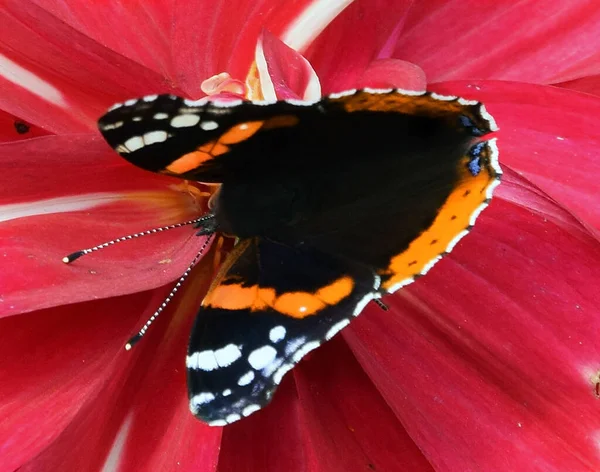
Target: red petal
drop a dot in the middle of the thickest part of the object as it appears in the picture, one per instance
(55, 203)
(54, 362)
(385, 73)
(589, 84)
(12, 128)
(59, 79)
(353, 40)
(547, 134)
(283, 72)
(453, 40)
(213, 37)
(491, 360)
(142, 411)
(347, 422)
(272, 439)
(335, 421)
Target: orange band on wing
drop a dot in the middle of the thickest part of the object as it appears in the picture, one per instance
(189, 161)
(452, 220)
(281, 121)
(294, 304)
(240, 132)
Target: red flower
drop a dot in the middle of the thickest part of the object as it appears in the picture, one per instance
(490, 362)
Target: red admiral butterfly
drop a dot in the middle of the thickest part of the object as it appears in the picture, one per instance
(335, 203)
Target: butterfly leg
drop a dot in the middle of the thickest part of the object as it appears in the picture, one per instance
(207, 224)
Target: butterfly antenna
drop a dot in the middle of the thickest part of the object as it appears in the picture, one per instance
(76, 255)
(135, 339)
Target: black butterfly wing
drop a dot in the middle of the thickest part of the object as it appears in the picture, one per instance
(191, 139)
(270, 306)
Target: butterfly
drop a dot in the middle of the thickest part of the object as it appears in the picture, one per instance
(334, 203)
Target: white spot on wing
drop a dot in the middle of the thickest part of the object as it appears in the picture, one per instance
(160, 116)
(456, 239)
(294, 344)
(373, 90)
(155, 137)
(402, 283)
(345, 93)
(209, 125)
(464, 101)
(278, 375)
(232, 418)
(493, 146)
(362, 304)
(300, 353)
(218, 423)
(250, 409)
(246, 378)
(262, 357)
(204, 360)
(135, 143)
(150, 98)
(201, 399)
(489, 118)
(196, 103)
(114, 125)
(185, 121)
(277, 334)
(430, 264)
(411, 93)
(227, 355)
(443, 98)
(130, 102)
(336, 328)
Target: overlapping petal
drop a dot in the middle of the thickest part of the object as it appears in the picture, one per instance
(497, 347)
(549, 136)
(59, 79)
(361, 34)
(489, 362)
(135, 404)
(524, 41)
(77, 194)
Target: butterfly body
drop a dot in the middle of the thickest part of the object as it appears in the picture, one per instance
(334, 202)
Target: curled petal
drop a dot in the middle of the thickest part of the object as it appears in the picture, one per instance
(386, 73)
(283, 72)
(217, 36)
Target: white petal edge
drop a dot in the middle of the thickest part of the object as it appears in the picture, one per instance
(20, 76)
(49, 206)
(113, 458)
(311, 22)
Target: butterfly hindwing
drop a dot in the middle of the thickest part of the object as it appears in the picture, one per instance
(272, 306)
